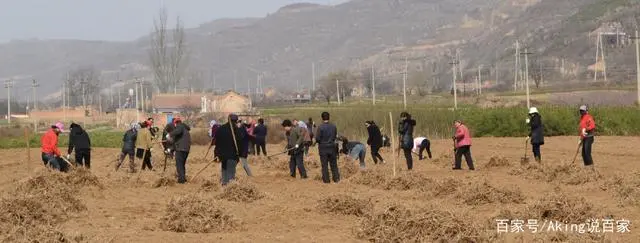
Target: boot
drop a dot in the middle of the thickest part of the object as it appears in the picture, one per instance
(538, 159)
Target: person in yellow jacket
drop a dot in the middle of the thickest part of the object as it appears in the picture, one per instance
(144, 144)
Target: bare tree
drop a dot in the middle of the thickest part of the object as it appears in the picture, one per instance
(535, 72)
(418, 80)
(88, 77)
(327, 87)
(167, 54)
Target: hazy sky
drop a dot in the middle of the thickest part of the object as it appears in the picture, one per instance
(118, 19)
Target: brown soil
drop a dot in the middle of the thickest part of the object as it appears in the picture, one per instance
(430, 203)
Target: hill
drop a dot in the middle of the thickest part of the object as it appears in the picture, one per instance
(360, 33)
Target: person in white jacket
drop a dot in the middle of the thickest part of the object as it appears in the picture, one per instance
(420, 144)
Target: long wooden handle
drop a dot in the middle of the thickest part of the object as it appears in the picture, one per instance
(233, 134)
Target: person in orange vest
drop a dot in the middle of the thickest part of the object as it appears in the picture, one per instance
(587, 129)
(50, 152)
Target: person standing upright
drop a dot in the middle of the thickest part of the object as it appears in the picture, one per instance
(260, 131)
(327, 149)
(311, 128)
(181, 137)
(244, 146)
(79, 139)
(167, 144)
(463, 146)
(144, 142)
(227, 148)
(587, 133)
(536, 134)
(374, 140)
(405, 130)
(295, 146)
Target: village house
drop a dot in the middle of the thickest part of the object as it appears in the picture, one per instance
(229, 102)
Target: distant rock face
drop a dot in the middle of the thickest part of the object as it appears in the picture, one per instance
(298, 7)
(360, 35)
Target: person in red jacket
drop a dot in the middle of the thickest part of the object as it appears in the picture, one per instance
(587, 129)
(50, 152)
(462, 141)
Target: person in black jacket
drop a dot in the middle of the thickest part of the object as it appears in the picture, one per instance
(355, 150)
(405, 130)
(227, 148)
(129, 147)
(260, 131)
(536, 135)
(181, 138)
(327, 148)
(374, 140)
(79, 139)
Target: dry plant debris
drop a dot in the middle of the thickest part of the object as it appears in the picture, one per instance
(485, 193)
(241, 192)
(344, 205)
(395, 223)
(498, 161)
(197, 214)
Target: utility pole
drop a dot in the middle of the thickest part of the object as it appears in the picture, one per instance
(338, 90)
(404, 82)
(373, 85)
(313, 75)
(600, 54)
(235, 75)
(637, 64)
(64, 97)
(480, 80)
(119, 96)
(517, 67)
(8, 85)
(35, 85)
(455, 89)
(84, 105)
(137, 110)
(526, 72)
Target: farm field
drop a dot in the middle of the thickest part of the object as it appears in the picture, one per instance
(428, 204)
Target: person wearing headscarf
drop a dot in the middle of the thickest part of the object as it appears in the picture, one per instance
(51, 155)
(128, 146)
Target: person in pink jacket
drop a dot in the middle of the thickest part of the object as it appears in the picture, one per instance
(462, 141)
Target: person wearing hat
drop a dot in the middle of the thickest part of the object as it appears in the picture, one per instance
(374, 141)
(79, 139)
(49, 148)
(227, 148)
(463, 146)
(327, 149)
(587, 129)
(144, 143)
(181, 138)
(295, 146)
(129, 146)
(536, 134)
